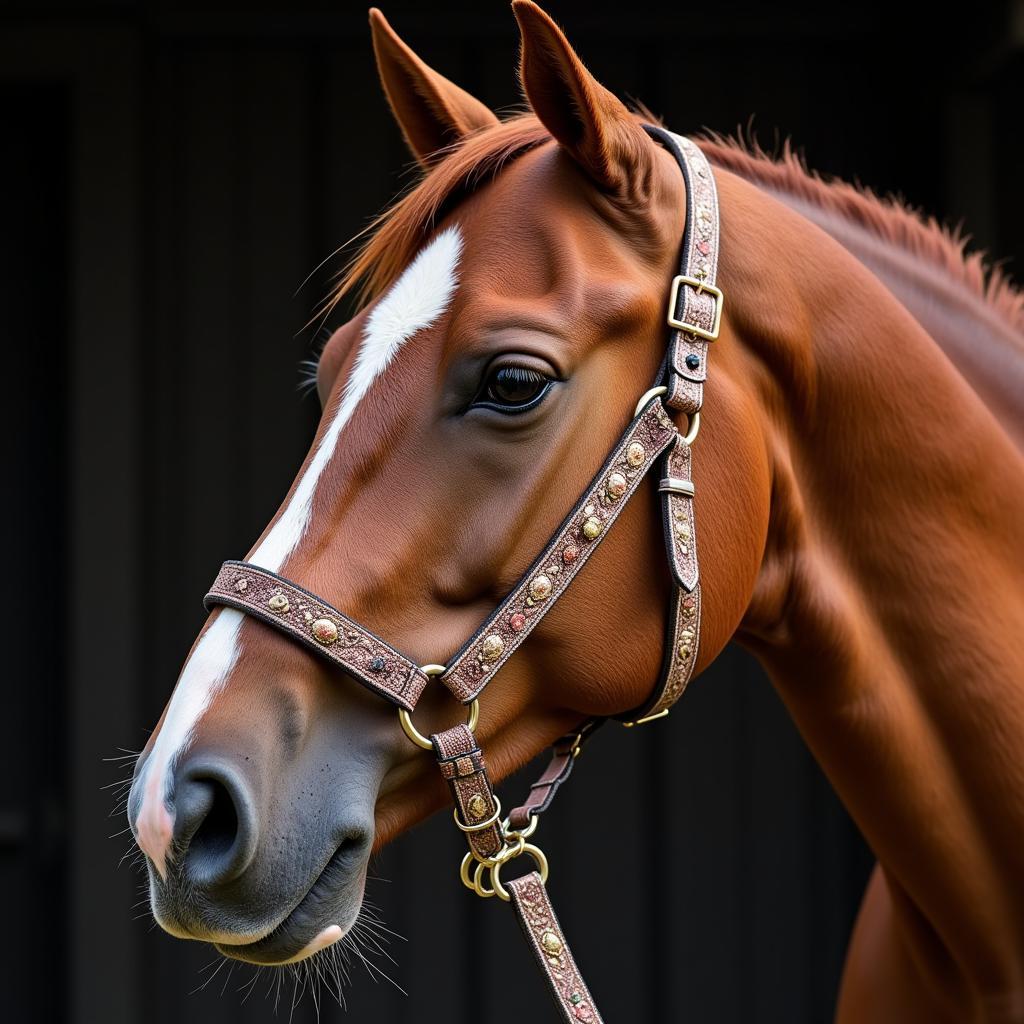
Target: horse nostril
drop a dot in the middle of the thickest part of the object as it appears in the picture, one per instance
(215, 826)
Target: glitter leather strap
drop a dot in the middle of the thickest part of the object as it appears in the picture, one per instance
(320, 627)
(551, 951)
(696, 304)
(649, 434)
(462, 766)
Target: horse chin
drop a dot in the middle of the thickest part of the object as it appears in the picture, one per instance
(322, 916)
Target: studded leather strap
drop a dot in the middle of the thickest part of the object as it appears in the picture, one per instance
(462, 765)
(318, 626)
(647, 436)
(551, 951)
(695, 306)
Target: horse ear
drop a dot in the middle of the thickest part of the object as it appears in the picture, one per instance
(431, 111)
(590, 123)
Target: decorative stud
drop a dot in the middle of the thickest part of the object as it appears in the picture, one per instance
(615, 486)
(241, 584)
(592, 528)
(278, 603)
(692, 361)
(576, 998)
(551, 943)
(324, 632)
(540, 587)
(569, 555)
(635, 454)
(477, 807)
(517, 621)
(377, 664)
(589, 510)
(492, 647)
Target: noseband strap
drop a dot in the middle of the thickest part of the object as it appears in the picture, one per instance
(651, 439)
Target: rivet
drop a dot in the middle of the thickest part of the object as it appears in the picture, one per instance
(324, 632)
(477, 807)
(377, 664)
(615, 486)
(278, 603)
(517, 621)
(692, 361)
(492, 647)
(540, 587)
(591, 528)
(551, 943)
(635, 454)
(242, 584)
(569, 555)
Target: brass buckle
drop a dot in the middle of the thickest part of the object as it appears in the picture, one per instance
(647, 718)
(700, 288)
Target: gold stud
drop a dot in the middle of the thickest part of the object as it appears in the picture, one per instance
(684, 651)
(278, 603)
(551, 943)
(635, 454)
(477, 807)
(540, 587)
(324, 632)
(591, 528)
(492, 647)
(615, 487)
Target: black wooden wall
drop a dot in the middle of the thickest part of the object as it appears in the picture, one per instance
(171, 173)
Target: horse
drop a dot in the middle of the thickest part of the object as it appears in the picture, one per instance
(858, 484)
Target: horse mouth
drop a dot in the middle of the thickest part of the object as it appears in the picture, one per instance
(321, 917)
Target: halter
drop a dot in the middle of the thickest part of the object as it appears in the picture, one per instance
(651, 439)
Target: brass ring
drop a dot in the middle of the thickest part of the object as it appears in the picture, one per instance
(525, 833)
(410, 730)
(464, 870)
(691, 432)
(538, 858)
(478, 882)
(647, 396)
(483, 824)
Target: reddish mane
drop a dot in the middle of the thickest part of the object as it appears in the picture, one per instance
(399, 231)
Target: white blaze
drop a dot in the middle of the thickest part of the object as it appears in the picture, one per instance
(415, 301)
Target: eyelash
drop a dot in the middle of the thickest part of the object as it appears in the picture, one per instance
(512, 375)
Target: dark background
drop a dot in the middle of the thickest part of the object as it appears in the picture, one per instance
(169, 175)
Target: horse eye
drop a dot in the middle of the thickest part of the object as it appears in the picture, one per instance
(513, 389)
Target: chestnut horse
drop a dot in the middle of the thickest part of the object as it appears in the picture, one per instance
(860, 487)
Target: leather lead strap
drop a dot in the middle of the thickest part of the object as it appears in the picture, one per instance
(551, 951)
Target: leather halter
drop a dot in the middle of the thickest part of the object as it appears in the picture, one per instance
(651, 439)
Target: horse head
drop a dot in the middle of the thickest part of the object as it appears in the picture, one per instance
(515, 313)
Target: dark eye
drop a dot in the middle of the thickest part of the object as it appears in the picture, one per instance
(513, 389)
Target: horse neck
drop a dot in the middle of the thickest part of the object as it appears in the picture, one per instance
(979, 339)
(889, 605)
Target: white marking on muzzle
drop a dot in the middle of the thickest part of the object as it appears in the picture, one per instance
(415, 301)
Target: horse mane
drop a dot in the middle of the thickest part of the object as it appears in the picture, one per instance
(889, 218)
(396, 235)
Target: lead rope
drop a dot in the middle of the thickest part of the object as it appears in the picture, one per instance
(694, 318)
